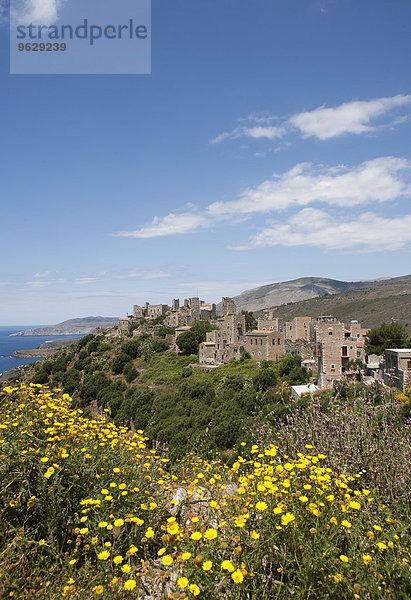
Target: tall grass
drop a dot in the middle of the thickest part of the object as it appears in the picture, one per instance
(361, 431)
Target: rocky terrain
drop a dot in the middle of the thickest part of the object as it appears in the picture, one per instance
(371, 306)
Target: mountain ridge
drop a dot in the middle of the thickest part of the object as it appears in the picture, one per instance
(371, 305)
(304, 288)
(79, 326)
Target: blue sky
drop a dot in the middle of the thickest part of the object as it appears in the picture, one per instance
(270, 142)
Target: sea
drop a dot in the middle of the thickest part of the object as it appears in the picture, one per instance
(21, 342)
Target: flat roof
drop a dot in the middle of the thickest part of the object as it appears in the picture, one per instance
(303, 389)
(265, 331)
(399, 350)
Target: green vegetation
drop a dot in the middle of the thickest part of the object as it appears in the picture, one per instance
(90, 509)
(388, 335)
(250, 320)
(189, 341)
(145, 385)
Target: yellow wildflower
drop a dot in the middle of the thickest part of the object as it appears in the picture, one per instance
(194, 589)
(210, 534)
(182, 582)
(237, 576)
(227, 566)
(98, 589)
(130, 584)
(287, 518)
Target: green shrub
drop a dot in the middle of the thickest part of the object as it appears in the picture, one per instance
(130, 372)
(120, 362)
(93, 384)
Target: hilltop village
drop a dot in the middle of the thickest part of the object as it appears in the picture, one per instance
(327, 347)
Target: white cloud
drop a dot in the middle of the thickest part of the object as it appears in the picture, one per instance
(44, 279)
(37, 12)
(169, 225)
(354, 117)
(157, 275)
(83, 279)
(224, 136)
(350, 117)
(377, 180)
(38, 283)
(382, 179)
(41, 274)
(86, 280)
(312, 227)
(270, 132)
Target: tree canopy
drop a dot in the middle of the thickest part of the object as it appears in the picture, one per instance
(250, 320)
(190, 340)
(387, 335)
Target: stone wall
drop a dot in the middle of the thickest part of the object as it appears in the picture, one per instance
(274, 324)
(298, 329)
(265, 345)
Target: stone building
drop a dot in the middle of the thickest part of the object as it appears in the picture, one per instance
(150, 311)
(324, 343)
(230, 340)
(224, 343)
(268, 323)
(124, 325)
(298, 329)
(192, 310)
(175, 315)
(396, 368)
(228, 306)
(264, 344)
(303, 348)
(335, 345)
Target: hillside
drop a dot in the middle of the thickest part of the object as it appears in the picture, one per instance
(99, 510)
(44, 350)
(81, 326)
(371, 306)
(305, 288)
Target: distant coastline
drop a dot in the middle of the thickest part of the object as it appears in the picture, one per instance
(45, 349)
(11, 361)
(82, 326)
